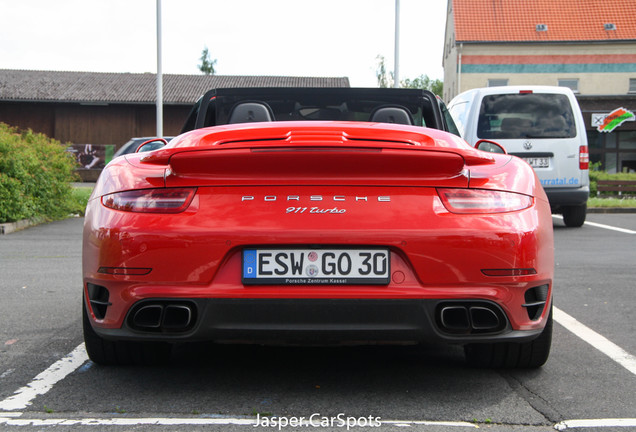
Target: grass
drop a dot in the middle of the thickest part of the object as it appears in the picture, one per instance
(81, 194)
(611, 202)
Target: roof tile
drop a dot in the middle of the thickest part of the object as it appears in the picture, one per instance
(95, 87)
(566, 20)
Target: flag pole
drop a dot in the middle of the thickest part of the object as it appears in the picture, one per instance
(159, 75)
(396, 65)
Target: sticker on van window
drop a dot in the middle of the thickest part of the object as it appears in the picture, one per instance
(609, 122)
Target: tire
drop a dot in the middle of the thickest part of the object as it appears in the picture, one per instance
(511, 355)
(574, 216)
(107, 352)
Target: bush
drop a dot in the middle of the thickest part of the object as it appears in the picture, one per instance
(35, 176)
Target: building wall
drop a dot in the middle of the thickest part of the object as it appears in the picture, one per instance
(450, 58)
(601, 68)
(92, 124)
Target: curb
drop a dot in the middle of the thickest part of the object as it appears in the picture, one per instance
(611, 210)
(9, 227)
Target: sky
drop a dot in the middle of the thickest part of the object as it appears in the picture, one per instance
(325, 38)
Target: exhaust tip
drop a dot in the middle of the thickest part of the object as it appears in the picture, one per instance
(176, 317)
(163, 316)
(148, 316)
(483, 318)
(470, 317)
(455, 318)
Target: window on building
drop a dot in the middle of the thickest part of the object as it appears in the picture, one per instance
(497, 82)
(616, 151)
(632, 85)
(571, 83)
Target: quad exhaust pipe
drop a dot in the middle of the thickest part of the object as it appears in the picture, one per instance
(469, 318)
(163, 317)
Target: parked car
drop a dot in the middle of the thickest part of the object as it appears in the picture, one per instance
(285, 223)
(133, 144)
(542, 125)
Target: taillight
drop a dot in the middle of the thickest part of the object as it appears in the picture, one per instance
(173, 200)
(584, 158)
(473, 201)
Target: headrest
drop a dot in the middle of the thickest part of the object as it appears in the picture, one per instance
(247, 112)
(391, 114)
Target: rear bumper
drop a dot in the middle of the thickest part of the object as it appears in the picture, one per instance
(561, 197)
(327, 321)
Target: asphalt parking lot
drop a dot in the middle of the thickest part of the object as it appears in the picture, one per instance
(47, 383)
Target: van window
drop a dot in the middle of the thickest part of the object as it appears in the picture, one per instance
(526, 115)
(459, 111)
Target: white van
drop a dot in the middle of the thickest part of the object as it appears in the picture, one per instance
(542, 125)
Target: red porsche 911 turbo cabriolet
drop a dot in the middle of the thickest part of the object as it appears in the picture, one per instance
(319, 216)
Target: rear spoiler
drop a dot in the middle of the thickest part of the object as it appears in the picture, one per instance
(323, 165)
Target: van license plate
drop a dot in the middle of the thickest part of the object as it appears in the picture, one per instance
(538, 162)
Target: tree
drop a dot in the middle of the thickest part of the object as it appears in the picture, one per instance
(385, 79)
(207, 64)
(426, 83)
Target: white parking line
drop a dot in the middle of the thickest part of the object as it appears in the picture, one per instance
(126, 421)
(411, 423)
(166, 421)
(607, 227)
(601, 343)
(46, 380)
(595, 423)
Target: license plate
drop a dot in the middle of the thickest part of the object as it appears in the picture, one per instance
(538, 162)
(316, 266)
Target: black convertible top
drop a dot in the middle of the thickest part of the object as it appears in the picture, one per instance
(388, 105)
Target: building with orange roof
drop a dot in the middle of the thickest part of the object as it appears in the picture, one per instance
(587, 45)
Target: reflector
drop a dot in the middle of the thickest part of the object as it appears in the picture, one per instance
(509, 272)
(127, 271)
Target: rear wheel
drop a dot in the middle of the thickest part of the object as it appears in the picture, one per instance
(574, 216)
(531, 354)
(108, 352)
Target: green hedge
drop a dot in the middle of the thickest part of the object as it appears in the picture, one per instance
(35, 176)
(602, 175)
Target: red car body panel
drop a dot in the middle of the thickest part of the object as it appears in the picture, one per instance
(360, 185)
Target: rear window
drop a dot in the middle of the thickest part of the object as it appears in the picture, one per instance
(526, 115)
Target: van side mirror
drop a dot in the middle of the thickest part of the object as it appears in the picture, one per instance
(153, 144)
(490, 146)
